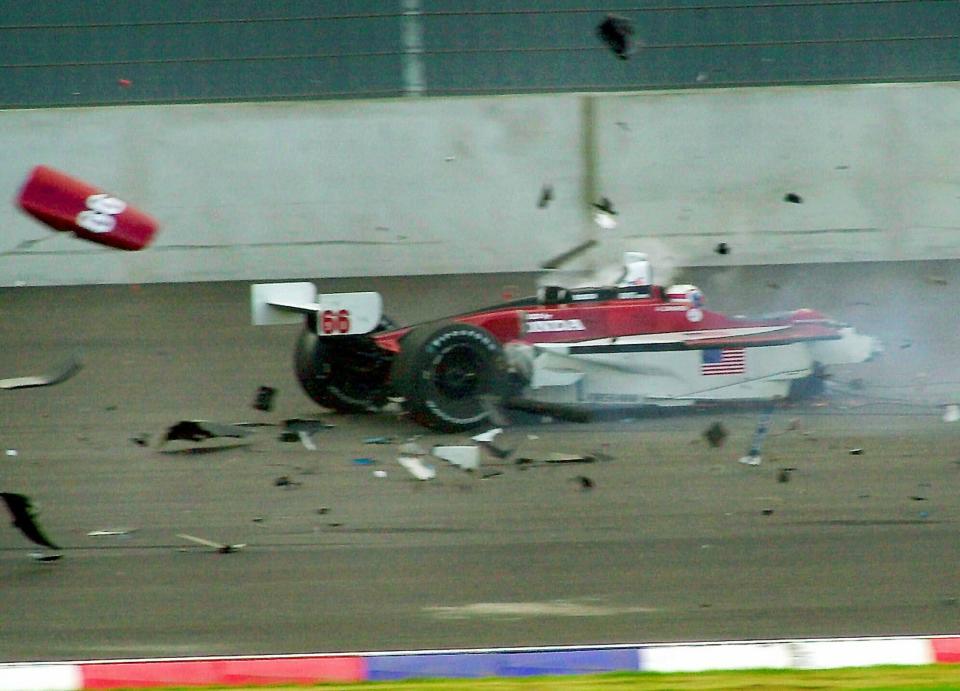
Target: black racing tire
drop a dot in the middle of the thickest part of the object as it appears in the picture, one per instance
(442, 372)
(347, 374)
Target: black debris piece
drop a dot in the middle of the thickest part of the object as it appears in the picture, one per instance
(220, 547)
(322, 510)
(142, 439)
(783, 475)
(617, 33)
(918, 498)
(722, 248)
(285, 481)
(491, 473)
(24, 518)
(201, 430)
(584, 481)
(715, 434)
(264, 398)
(606, 206)
(767, 512)
(856, 452)
(546, 196)
(793, 198)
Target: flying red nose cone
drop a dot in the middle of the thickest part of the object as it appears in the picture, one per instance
(67, 204)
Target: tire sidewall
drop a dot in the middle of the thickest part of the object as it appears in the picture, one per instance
(429, 404)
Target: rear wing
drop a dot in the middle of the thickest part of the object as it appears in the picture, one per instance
(337, 314)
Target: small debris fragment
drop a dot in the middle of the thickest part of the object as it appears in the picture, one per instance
(465, 457)
(201, 430)
(109, 533)
(617, 33)
(220, 547)
(309, 426)
(715, 434)
(307, 440)
(378, 440)
(784, 474)
(604, 213)
(951, 413)
(722, 248)
(918, 498)
(585, 482)
(557, 457)
(767, 512)
(546, 196)
(285, 481)
(12, 452)
(416, 467)
(856, 452)
(937, 280)
(24, 517)
(363, 461)
(323, 510)
(264, 398)
(142, 439)
(379, 473)
(792, 198)
(124, 83)
(491, 473)
(45, 556)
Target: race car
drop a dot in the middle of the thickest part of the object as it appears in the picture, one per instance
(628, 344)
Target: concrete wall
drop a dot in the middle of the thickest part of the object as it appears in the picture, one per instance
(428, 186)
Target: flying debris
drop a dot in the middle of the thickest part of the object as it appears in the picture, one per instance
(66, 204)
(201, 430)
(722, 248)
(793, 198)
(783, 475)
(585, 482)
(60, 375)
(24, 518)
(546, 196)
(951, 413)
(416, 467)
(753, 455)
(486, 440)
(465, 457)
(715, 434)
(264, 398)
(603, 214)
(856, 452)
(220, 547)
(617, 33)
(286, 481)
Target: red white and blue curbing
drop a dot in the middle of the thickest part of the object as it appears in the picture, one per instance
(496, 662)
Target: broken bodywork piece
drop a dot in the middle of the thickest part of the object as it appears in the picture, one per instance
(25, 518)
(60, 375)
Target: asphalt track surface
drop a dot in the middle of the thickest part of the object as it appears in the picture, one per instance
(675, 541)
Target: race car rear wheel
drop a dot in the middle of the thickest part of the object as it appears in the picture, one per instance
(443, 371)
(344, 373)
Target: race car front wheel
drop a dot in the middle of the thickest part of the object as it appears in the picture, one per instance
(344, 373)
(442, 373)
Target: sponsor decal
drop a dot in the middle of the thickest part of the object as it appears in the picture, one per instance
(533, 316)
(556, 325)
(671, 308)
(695, 314)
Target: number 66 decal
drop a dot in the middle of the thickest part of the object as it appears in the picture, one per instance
(100, 216)
(335, 322)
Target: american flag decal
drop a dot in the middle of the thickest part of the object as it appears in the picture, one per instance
(723, 361)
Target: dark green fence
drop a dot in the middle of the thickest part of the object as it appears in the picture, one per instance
(82, 52)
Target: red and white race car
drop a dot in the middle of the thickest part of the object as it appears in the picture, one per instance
(629, 344)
